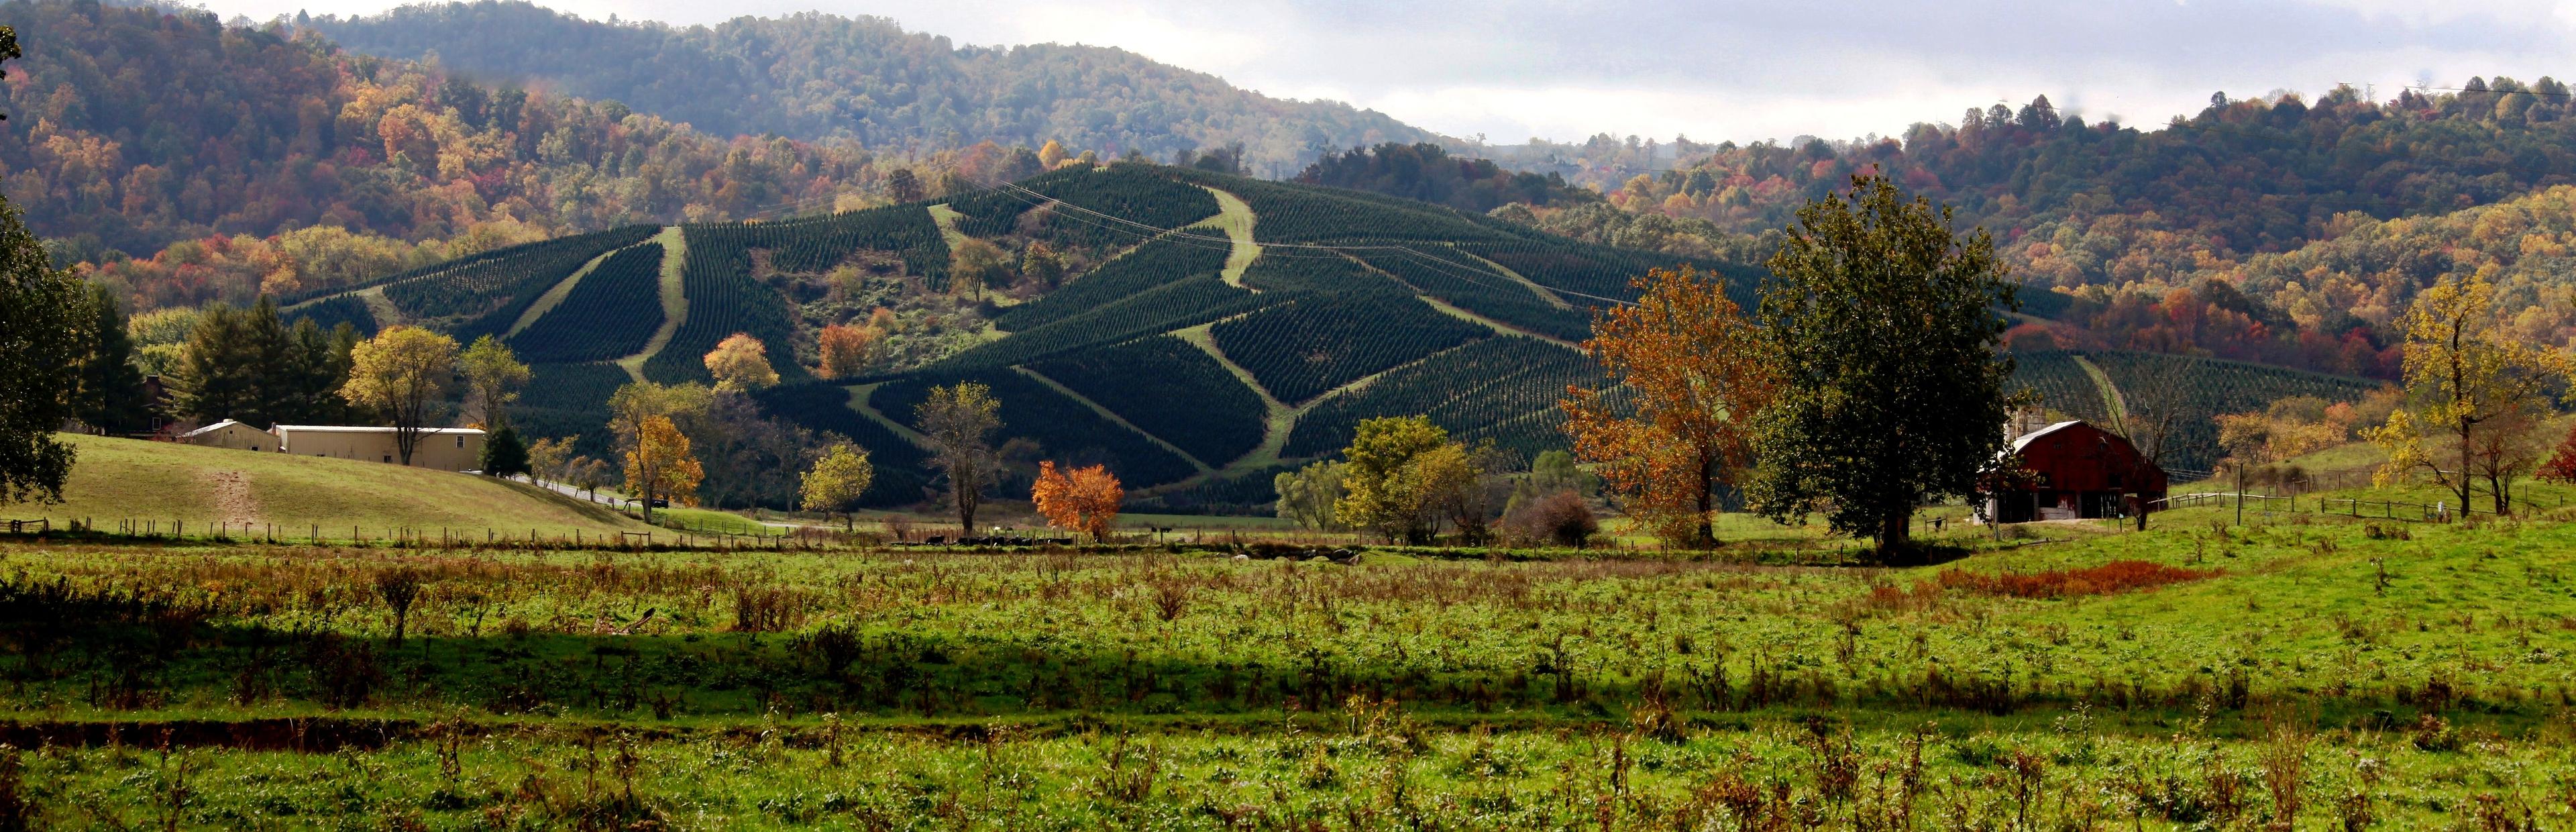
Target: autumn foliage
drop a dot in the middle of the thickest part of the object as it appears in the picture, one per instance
(658, 463)
(1083, 500)
(741, 362)
(1695, 372)
(847, 350)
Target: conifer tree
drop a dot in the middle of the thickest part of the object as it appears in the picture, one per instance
(111, 389)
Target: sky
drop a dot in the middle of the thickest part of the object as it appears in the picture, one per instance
(1727, 69)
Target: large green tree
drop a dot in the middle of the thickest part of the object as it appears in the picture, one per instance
(1884, 327)
(46, 320)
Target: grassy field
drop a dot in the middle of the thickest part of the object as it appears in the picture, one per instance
(204, 488)
(2315, 672)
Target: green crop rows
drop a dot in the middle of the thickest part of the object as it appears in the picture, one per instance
(1129, 192)
(1065, 430)
(823, 407)
(569, 400)
(1170, 389)
(611, 313)
(499, 288)
(1304, 348)
(816, 244)
(1180, 305)
(2212, 387)
(1308, 272)
(2063, 386)
(1294, 213)
(1153, 264)
(1504, 388)
(1458, 279)
(345, 309)
(725, 299)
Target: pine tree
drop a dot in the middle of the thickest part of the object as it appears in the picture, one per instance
(504, 455)
(215, 379)
(111, 396)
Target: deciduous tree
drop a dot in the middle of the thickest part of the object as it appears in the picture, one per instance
(634, 407)
(741, 362)
(1692, 374)
(402, 374)
(493, 376)
(2468, 386)
(1890, 392)
(1308, 495)
(903, 185)
(837, 481)
(846, 350)
(547, 458)
(1082, 500)
(46, 322)
(977, 265)
(960, 420)
(659, 465)
(1384, 490)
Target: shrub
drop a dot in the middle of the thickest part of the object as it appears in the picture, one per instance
(1560, 518)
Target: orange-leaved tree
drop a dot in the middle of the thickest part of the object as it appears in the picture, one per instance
(1083, 500)
(1687, 359)
(847, 350)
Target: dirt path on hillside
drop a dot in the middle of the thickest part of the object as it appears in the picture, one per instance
(232, 500)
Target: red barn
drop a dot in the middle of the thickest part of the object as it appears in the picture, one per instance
(2079, 471)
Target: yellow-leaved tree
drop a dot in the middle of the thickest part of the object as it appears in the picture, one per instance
(1694, 372)
(1404, 476)
(741, 362)
(658, 465)
(1082, 500)
(633, 410)
(836, 481)
(2473, 394)
(402, 374)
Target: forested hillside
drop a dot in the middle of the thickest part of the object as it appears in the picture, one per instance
(188, 144)
(2141, 222)
(816, 76)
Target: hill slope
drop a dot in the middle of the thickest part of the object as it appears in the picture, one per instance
(117, 479)
(815, 75)
(1209, 328)
(1213, 329)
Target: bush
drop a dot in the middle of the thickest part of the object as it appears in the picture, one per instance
(1560, 518)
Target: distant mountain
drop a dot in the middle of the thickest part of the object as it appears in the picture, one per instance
(815, 75)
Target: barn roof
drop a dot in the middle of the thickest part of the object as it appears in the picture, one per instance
(214, 427)
(370, 429)
(2025, 440)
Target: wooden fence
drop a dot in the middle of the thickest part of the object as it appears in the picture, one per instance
(448, 537)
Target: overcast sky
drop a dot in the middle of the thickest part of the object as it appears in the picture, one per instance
(1566, 69)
